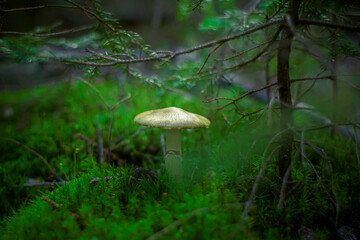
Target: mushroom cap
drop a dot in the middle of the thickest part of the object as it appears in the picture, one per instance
(171, 118)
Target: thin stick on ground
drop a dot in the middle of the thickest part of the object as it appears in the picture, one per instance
(322, 153)
(188, 216)
(57, 206)
(283, 188)
(101, 146)
(256, 185)
(253, 192)
(43, 184)
(51, 202)
(52, 171)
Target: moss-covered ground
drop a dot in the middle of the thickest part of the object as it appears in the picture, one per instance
(220, 168)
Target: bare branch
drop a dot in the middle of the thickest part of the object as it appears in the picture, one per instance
(243, 52)
(34, 8)
(57, 206)
(73, 30)
(253, 192)
(310, 78)
(240, 97)
(237, 66)
(121, 101)
(138, 131)
(332, 125)
(229, 38)
(283, 187)
(164, 54)
(208, 56)
(328, 24)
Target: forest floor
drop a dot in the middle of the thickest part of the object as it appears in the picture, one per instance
(230, 188)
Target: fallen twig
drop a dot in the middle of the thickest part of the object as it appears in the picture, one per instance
(253, 191)
(53, 172)
(43, 184)
(57, 206)
(101, 147)
(283, 188)
(51, 202)
(188, 216)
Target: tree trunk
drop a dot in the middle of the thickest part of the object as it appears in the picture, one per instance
(283, 80)
(333, 71)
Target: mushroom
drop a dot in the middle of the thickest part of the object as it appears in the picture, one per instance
(172, 119)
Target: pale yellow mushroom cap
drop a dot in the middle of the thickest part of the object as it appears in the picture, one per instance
(171, 118)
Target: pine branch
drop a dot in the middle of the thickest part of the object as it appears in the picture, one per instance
(197, 5)
(229, 38)
(164, 54)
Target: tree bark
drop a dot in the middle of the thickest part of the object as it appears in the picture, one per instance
(333, 70)
(283, 80)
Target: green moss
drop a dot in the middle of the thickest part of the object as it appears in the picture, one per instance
(220, 167)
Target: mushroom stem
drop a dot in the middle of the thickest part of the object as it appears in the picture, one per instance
(173, 140)
(173, 159)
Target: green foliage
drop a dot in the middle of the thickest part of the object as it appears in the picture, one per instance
(220, 166)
